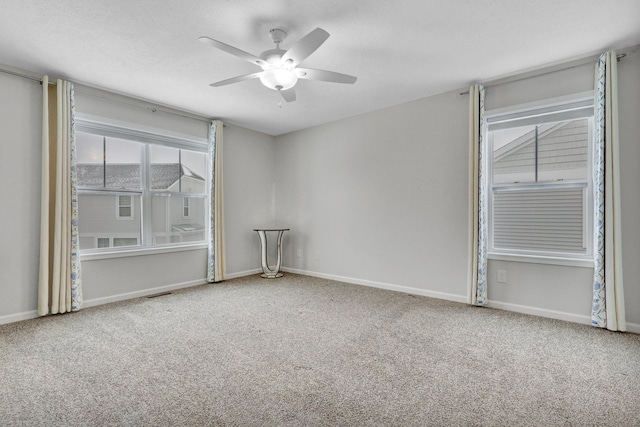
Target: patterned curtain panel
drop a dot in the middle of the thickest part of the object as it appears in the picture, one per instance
(608, 296)
(216, 258)
(477, 199)
(59, 288)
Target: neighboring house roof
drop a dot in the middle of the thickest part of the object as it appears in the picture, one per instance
(128, 176)
(163, 175)
(562, 145)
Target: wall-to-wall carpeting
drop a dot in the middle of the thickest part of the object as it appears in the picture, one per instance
(303, 351)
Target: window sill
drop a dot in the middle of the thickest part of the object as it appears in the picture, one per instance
(533, 259)
(126, 253)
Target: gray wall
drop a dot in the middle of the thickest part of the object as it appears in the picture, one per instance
(561, 291)
(381, 199)
(249, 197)
(551, 290)
(629, 105)
(248, 182)
(20, 164)
(248, 178)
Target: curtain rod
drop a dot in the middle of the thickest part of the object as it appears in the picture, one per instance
(15, 72)
(151, 107)
(142, 104)
(538, 73)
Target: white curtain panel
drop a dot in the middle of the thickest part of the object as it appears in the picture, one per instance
(608, 294)
(59, 288)
(216, 270)
(477, 199)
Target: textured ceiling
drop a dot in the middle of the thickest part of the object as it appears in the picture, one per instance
(400, 51)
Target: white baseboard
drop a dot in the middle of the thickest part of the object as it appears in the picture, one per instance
(142, 293)
(161, 289)
(381, 285)
(633, 327)
(243, 273)
(541, 312)
(17, 317)
(553, 314)
(26, 315)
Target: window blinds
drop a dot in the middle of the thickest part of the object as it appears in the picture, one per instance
(548, 219)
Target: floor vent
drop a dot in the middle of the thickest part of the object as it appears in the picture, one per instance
(159, 295)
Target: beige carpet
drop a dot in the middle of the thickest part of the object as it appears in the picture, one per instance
(300, 351)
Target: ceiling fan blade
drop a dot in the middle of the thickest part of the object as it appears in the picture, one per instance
(289, 95)
(305, 46)
(236, 79)
(232, 50)
(325, 76)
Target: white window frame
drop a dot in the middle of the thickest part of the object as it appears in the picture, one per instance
(564, 108)
(119, 130)
(186, 207)
(97, 244)
(110, 237)
(113, 239)
(131, 205)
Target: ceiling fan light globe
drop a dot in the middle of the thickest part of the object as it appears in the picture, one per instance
(278, 79)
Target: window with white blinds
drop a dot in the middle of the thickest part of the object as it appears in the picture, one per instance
(539, 167)
(546, 219)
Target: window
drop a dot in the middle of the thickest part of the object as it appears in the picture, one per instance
(103, 242)
(125, 241)
(124, 208)
(156, 183)
(109, 242)
(540, 181)
(186, 204)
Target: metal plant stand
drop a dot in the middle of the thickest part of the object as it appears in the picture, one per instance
(268, 272)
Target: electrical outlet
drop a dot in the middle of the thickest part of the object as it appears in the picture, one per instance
(299, 253)
(502, 276)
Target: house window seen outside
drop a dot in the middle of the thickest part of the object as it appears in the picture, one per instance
(186, 205)
(125, 207)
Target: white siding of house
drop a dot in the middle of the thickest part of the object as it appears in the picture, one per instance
(562, 154)
(97, 217)
(164, 230)
(188, 185)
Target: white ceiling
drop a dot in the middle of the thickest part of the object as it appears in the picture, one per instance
(399, 50)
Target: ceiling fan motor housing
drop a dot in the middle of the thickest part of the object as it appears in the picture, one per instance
(276, 75)
(277, 35)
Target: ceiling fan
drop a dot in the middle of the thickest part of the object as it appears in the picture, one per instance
(280, 69)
